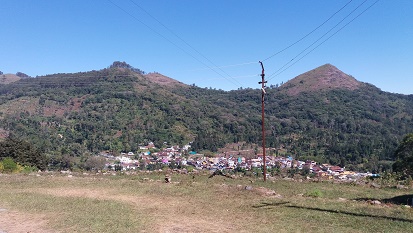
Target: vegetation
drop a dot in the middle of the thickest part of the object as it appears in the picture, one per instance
(14, 150)
(7, 165)
(404, 157)
(71, 116)
(189, 203)
(22, 75)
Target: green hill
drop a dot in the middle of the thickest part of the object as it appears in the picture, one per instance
(323, 114)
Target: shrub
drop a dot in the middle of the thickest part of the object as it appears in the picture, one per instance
(189, 168)
(29, 169)
(9, 165)
(314, 193)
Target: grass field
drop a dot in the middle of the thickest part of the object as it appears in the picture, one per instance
(143, 203)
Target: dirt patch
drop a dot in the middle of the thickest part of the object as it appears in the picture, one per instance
(170, 214)
(54, 110)
(3, 133)
(16, 222)
(163, 80)
(76, 103)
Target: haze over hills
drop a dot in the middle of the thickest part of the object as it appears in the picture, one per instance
(323, 114)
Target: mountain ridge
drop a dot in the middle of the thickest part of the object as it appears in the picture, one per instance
(117, 109)
(8, 78)
(322, 78)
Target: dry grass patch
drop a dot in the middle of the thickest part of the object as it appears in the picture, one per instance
(142, 203)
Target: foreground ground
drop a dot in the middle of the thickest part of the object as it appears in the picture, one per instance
(143, 203)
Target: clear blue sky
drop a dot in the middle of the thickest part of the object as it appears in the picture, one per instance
(187, 39)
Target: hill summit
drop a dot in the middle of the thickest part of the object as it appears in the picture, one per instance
(8, 78)
(325, 77)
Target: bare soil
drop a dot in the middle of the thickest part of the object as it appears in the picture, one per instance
(170, 214)
(16, 222)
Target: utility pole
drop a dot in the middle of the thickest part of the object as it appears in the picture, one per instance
(263, 82)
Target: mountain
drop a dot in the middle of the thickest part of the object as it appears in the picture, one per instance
(8, 78)
(323, 78)
(163, 80)
(323, 114)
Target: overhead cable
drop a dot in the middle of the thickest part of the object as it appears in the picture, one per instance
(302, 38)
(180, 38)
(285, 66)
(174, 44)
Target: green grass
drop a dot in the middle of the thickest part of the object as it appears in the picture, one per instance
(143, 202)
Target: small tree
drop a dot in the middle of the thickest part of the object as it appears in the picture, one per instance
(9, 165)
(23, 152)
(95, 163)
(404, 156)
(22, 75)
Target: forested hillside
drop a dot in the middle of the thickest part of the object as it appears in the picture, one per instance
(324, 115)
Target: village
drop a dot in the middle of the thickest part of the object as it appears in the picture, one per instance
(182, 158)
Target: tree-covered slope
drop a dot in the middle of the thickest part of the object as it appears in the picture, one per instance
(323, 114)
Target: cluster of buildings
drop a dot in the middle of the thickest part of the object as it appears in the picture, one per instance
(176, 157)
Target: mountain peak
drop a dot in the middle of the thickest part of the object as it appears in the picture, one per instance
(326, 77)
(124, 65)
(8, 78)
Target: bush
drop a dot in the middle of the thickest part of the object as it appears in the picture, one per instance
(314, 193)
(8, 165)
(29, 169)
(22, 152)
(95, 163)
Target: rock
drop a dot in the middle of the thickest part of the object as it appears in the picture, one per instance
(167, 178)
(374, 202)
(375, 185)
(342, 199)
(248, 187)
(265, 191)
(399, 186)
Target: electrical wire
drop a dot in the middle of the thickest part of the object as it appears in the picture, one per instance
(180, 38)
(311, 32)
(226, 66)
(235, 77)
(285, 66)
(289, 46)
(159, 34)
(308, 47)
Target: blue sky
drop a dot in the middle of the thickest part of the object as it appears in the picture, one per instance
(212, 43)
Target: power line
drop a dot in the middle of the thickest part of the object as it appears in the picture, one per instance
(159, 34)
(282, 69)
(299, 40)
(302, 38)
(226, 66)
(235, 77)
(190, 46)
(177, 36)
(348, 15)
